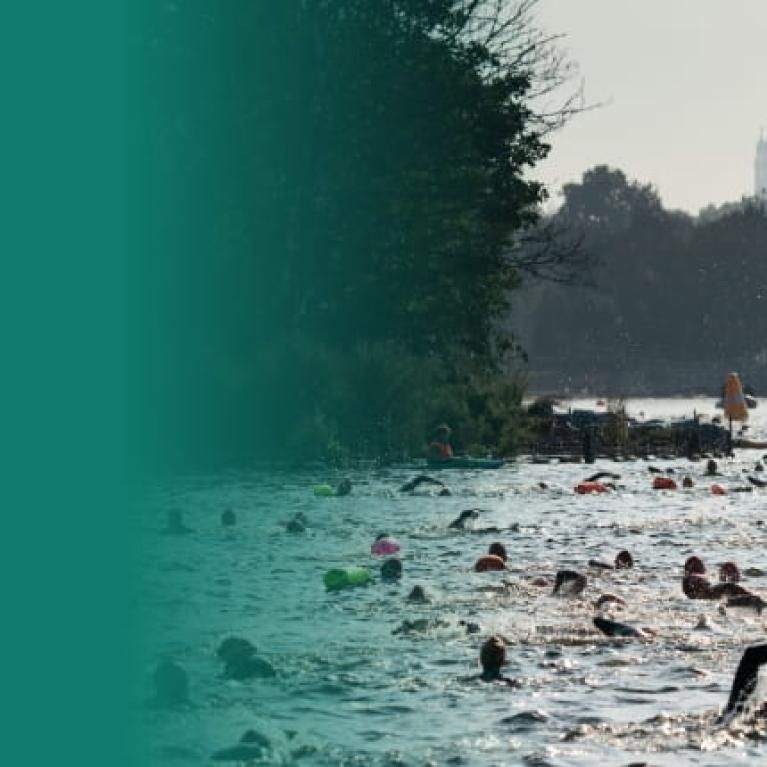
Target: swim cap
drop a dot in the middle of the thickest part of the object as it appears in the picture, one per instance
(492, 655)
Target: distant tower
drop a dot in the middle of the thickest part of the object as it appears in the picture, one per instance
(760, 167)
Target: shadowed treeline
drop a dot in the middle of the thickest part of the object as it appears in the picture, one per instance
(331, 189)
(671, 302)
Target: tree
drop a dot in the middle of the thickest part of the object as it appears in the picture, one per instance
(353, 174)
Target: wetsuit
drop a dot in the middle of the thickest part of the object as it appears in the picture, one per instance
(746, 675)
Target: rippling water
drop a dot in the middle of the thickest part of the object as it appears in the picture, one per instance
(349, 691)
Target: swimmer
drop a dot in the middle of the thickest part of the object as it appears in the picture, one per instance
(602, 475)
(568, 583)
(498, 549)
(418, 594)
(746, 676)
(609, 599)
(615, 629)
(623, 561)
(391, 569)
(296, 524)
(470, 626)
(344, 487)
(748, 600)
(729, 572)
(467, 515)
(176, 524)
(228, 519)
(687, 482)
(418, 625)
(488, 563)
(240, 661)
(492, 656)
(171, 685)
(712, 470)
(250, 748)
(696, 586)
(423, 479)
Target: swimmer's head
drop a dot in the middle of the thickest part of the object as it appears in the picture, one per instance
(694, 566)
(569, 582)
(295, 526)
(492, 655)
(695, 586)
(418, 594)
(175, 519)
(624, 560)
(228, 518)
(344, 487)
(391, 569)
(729, 572)
(234, 649)
(171, 684)
(498, 549)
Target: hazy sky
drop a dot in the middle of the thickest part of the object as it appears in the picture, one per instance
(684, 83)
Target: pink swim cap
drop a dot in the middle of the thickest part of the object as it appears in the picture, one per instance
(385, 547)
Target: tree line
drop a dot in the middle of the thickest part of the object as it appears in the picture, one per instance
(335, 192)
(663, 302)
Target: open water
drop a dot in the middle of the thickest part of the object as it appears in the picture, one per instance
(350, 691)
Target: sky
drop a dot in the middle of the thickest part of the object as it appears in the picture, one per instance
(682, 86)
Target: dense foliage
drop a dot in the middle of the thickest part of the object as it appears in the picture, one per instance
(337, 183)
(672, 302)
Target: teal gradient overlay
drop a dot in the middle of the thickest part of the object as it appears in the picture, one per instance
(69, 315)
(213, 140)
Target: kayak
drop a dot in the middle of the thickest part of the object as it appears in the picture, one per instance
(466, 463)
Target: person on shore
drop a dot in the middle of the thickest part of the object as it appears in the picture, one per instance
(440, 449)
(492, 657)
